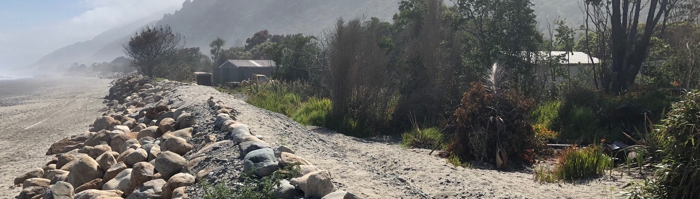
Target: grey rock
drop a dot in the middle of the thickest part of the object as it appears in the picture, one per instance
(60, 190)
(262, 162)
(247, 147)
(286, 190)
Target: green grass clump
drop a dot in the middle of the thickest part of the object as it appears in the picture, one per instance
(576, 163)
(424, 138)
(546, 114)
(251, 186)
(313, 112)
(678, 136)
(276, 100)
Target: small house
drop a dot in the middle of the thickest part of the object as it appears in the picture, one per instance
(573, 63)
(239, 70)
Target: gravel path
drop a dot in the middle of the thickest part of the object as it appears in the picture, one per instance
(384, 169)
(35, 113)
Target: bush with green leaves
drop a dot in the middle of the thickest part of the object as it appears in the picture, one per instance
(313, 112)
(679, 138)
(424, 138)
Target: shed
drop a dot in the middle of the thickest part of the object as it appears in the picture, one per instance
(239, 70)
(204, 78)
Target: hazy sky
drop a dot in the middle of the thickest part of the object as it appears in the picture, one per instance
(30, 29)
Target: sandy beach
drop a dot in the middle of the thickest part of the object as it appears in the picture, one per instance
(36, 112)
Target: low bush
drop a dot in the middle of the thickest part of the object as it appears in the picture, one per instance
(679, 138)
(277, 98)
(424, 138)
(313, 112)
(487, 120)
(576, 163)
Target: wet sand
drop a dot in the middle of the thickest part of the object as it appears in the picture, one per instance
(35, 113)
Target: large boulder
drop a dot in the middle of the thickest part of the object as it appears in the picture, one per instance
(104, 123)
(151, 131)
(150, 189)
(31, 192)
(280, 149)
(106, 160)
(100, 137)
(139, 127)
(177, 181)
(138, 155)
(118, 140)
(95, 151)
(341, 195)
(220, 119)
(167, 124)
(119, 182)
(186, 120)
(36, 182)
(130, 144)
(262, 162)
(114, 171)
(141, 173)
(63, 159)
(60, 190)
(122, 156)
(50, 174)
(63, 146)
(176, 145)
(185, 133)
(85, 170)
(288, 159)
(180, 193)
(168, 164)
(34, 173)
(315, 185)
(93, 184)
(247, 147)
(286, 191)
(123, 128)
(99, 194)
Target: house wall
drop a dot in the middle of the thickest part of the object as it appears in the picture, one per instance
(247, 72)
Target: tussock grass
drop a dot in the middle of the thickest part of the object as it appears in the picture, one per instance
(576, 163)
(424, 138)
(313, 112)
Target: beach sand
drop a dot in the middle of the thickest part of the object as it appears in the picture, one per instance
(35, 113)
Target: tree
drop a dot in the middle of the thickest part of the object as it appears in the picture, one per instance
(151, 47)
(217, 46)
(630, 50)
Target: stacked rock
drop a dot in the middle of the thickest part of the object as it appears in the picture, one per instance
(133, 151)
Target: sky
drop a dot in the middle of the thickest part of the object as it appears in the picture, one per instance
(30, 29)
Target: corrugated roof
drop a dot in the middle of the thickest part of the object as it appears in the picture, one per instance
(252, 63)
(572, 57)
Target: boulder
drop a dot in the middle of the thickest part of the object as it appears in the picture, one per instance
(262, 162)
(288, 159)
(122, 156)
(177, 181)
(38, 182)
(98, 138)
(106, 160)
(95, 151)
(306, 169)
(59, 177)
(31, 192)
(130, 144)
(60, 190)
(50, 174)
(82, 137)
(168, 114)
(48, 167)
(153, 152)
(114, 171)
(99, 194)
(247, 147)
(93, 184)
(167, 124)
(63, 146)
(139, 127)
(152, 113)
(286, 190)
(176, 145)
(168, 164)
(315, 185)
(228, 125)
(220, 119)
(118, 141)
(119, 182)
(151, 131)
(34, 173)
(186, 120)
(85, 170)
(63, 159)
(179, 193)
(341, 195)
(123, 128)
(146, 140)
(185, 133)
(104, 123)
(140, 174)
(138, 155)
(280, 149)
(150, 189)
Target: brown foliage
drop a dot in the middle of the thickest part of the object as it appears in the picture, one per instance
(486, 120)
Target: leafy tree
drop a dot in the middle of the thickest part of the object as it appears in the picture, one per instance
(294, 55)
(257, 39)
(151, 47)
(217, 46)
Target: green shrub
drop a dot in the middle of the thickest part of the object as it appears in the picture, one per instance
(275, 98)
(424, 138)
(679, 138)
(547, 114)
(580, 123)
(575, 163)
(313, 112)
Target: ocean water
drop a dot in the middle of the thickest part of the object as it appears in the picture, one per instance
(12, 77)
